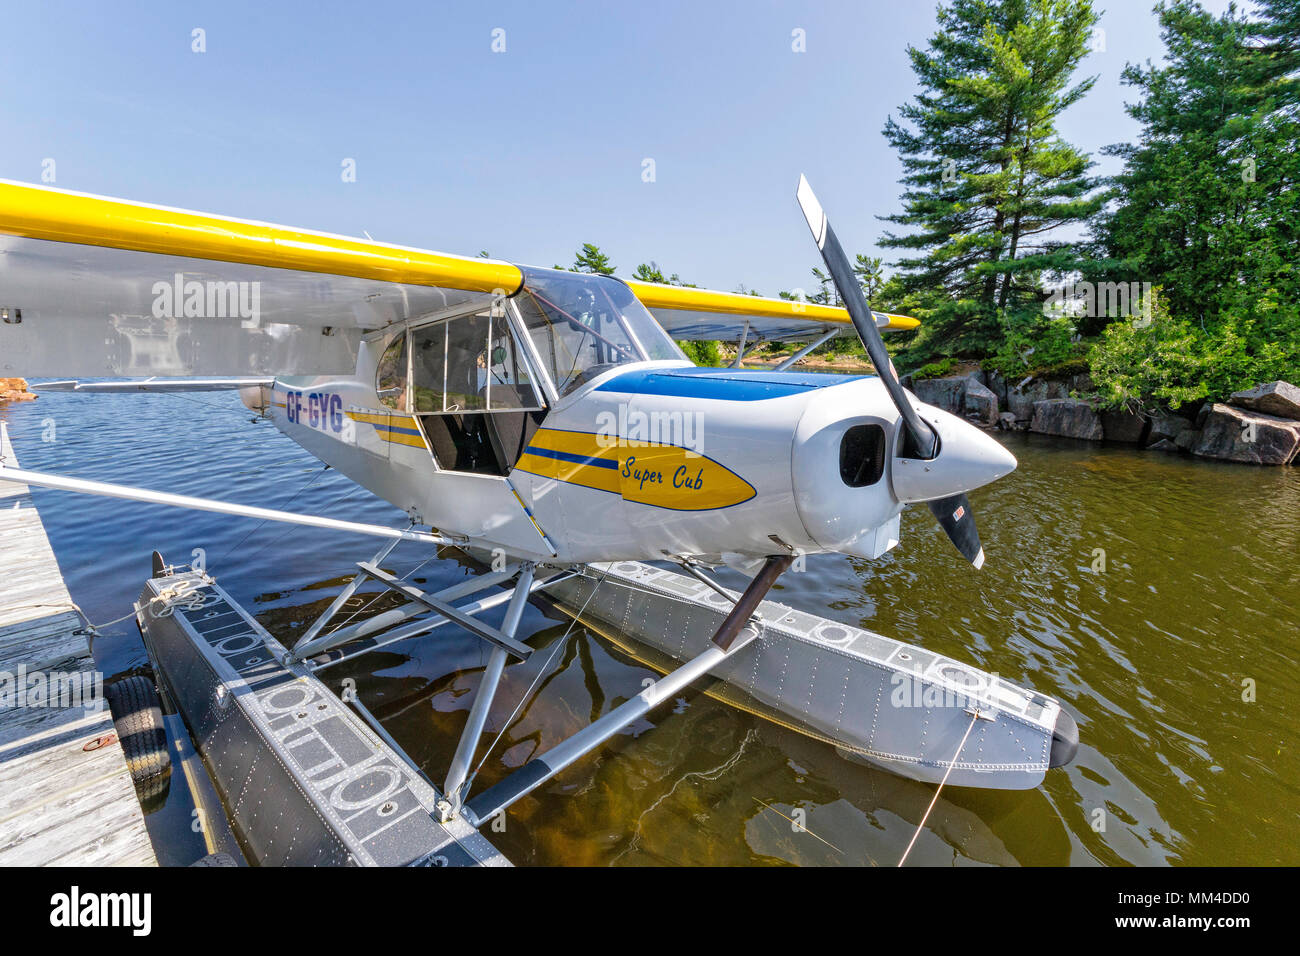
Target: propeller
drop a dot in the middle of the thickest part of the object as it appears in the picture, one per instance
(954, 512)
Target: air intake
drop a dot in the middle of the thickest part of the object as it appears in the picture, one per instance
(862, 455)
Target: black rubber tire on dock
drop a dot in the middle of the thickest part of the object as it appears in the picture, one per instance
(215, 859)
(137, 715)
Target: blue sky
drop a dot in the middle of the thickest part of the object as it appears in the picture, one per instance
(526, 153)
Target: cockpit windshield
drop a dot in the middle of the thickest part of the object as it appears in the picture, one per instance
(586, 324)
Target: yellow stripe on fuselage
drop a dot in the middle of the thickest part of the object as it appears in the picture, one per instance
(386, 425)
(397, 438)
(589, 474)
(576, 443)
(383, 418)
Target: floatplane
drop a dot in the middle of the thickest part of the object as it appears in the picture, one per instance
(548, 422)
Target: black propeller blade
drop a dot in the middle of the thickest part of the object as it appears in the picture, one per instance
(958, 523)
(953, 513)
(923, 442)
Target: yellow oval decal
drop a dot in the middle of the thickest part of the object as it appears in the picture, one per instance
(662, 476)
(668, 476)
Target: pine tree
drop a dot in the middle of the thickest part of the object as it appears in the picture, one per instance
(590, 259)
(987, 176)
(826, 293)
(649, 273)
(871, 275)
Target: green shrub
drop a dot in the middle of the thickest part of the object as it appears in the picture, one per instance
(1032, 340)
(934, 369)
(1175, 361)
(702, 353)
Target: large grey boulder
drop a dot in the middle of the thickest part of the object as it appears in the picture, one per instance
(997, 385)
(1232, 434)
(980, 403)
(1166, 427)
(1274, 398)
(1021, 401)
(1163, 444)
(1124, 426)
(946, 393)
(1080, 383)
(1019, 404)
(1068, 417)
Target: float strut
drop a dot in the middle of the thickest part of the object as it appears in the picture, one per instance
(748, 602)
(338, 602)
(733, 635)
(487, 689)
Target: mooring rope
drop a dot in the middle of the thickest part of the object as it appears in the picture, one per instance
(951, 763)
(167, 595)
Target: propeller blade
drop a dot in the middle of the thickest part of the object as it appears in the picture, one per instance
(958, 523)
(953, 513)
(923, 442)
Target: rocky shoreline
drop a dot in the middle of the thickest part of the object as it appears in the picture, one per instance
(15, 390)
(1260, 426)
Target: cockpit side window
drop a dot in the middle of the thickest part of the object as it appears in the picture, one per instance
(467, 358)
(470, 364)
(391, 380)
(429, 367)
(509, 383)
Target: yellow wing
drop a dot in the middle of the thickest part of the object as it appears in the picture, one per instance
(702, 314)
(98, 286)
(92, 286)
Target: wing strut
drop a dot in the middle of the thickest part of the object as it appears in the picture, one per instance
(155, 385)
(107, 489)
(807, 350)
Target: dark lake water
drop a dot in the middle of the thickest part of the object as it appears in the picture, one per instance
(1149, 593)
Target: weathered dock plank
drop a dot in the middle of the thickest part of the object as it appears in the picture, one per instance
(61, 804)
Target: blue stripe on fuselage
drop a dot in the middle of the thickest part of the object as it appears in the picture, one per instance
(569, 456)
(728, 385)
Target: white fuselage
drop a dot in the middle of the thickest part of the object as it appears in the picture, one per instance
(646, 460)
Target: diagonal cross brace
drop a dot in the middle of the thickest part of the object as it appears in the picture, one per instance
(471, 624)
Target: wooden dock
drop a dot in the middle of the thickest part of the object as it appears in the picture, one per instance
(66, 797)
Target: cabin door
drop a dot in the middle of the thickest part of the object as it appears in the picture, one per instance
(473, 394)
